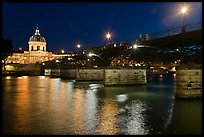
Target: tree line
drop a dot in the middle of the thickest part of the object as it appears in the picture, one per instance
(6, 49)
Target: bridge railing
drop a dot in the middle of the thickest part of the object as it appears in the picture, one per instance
(194, 26)
(170, 32)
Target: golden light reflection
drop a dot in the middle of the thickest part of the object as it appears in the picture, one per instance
(161, 78)
(19, 77)
(54, 88)
(108, 116)
(8, 77)
(41, 92)
(78, 111)
(22, 105)
(42, 77)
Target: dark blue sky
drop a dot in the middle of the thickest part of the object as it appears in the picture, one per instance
(64, 25)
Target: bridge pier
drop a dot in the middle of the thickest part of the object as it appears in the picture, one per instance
(188, 82)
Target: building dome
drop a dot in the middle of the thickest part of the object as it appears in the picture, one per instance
(37, 37)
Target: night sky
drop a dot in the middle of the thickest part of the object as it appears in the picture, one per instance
(64, 25)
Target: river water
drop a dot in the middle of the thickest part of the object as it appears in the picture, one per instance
(40, 105)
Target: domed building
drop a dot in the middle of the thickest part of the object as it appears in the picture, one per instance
(37, 51)
(37, 42)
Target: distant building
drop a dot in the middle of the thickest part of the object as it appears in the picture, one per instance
(146, 37)
(37, 52)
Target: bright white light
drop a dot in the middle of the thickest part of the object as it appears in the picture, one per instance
(122, 97)
(78, 46)
(70, 58)
(135, 46)
(8, 77)
(57, 61)
(173, 69)
(62, 51)
(183, 10)
(108, 35)
(43, 63)
(91, 54)
(95, 86)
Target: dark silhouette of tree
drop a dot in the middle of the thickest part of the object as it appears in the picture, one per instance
(6, 49)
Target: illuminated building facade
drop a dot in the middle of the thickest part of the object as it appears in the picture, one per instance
(37, 52)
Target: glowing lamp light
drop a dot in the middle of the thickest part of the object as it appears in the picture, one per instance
(57, 61)
(78, 46)
(183, 10)
(90, 54)
(108, 35)
(135, 46)
(70, 58)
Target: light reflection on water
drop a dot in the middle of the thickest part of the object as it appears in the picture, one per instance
(44, 105)
(107, 118)
(136, 119)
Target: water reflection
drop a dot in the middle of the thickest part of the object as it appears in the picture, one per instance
(136, 118)
(108, 119)
(44, 105)
(122, 97)
(91, 111)
(22, 106)
(78, 111)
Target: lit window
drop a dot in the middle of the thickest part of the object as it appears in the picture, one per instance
(38, 47)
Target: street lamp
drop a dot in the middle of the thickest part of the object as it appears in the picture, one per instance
(62, 51)
(108, 36)
(183, 11)
(135, 46)
(78, 46)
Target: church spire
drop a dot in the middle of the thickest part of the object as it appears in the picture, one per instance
(37, 32)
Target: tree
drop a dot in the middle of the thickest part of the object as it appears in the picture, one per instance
(7, 49)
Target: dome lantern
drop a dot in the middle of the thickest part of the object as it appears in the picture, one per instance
(37, 37)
